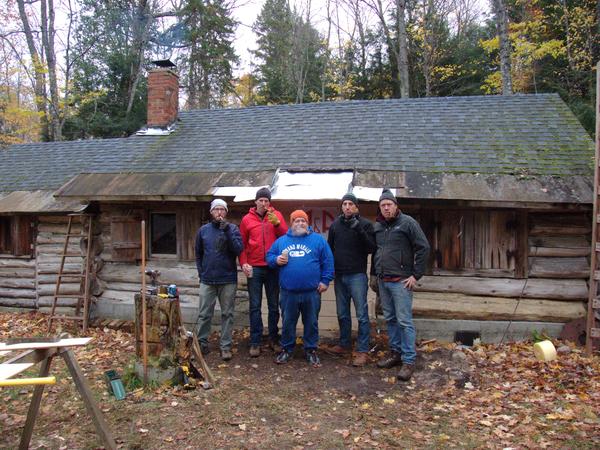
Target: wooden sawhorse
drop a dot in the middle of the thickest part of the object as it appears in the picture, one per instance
(44, 352)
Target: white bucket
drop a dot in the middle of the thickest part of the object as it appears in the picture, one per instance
(544, 351)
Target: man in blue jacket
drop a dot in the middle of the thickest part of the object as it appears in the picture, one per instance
(305, 269)
(218, 244)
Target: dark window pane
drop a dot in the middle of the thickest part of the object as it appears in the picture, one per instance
(164, 236)
(5, 234)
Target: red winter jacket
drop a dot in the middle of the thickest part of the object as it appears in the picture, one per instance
(258, 234)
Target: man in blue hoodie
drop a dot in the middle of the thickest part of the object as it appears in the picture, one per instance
(305, 269)
(218, 244)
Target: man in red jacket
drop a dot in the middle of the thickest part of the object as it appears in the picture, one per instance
(260, 228)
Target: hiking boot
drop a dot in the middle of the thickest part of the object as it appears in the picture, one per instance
(275, 346)
(204, 349)
(283, 357)
(406, 372)
(336, 350)
(313, 358)
(226, 355)
(254, 351)
(360, 359)
(392, 360)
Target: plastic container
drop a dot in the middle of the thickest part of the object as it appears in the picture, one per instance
(544, 351)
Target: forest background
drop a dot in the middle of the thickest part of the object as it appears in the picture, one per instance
(75, 69)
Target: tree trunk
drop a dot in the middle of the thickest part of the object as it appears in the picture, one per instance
(47, 26)
(39, 82)
(402, 49)
(140, 29)
(501, 14)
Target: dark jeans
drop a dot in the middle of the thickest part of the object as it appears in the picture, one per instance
(352, 286)
(307, 303)
(269, 278)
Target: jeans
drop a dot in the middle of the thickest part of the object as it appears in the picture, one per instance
(396, 302)
(294, 304)
(352, 286)
(208, 297)
(270, 279)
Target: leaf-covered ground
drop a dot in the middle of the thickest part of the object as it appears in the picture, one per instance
(491, 396)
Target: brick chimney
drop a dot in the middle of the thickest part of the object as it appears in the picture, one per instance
(163, 94)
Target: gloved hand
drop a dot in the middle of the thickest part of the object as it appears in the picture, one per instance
(272, 217)
(353, 222)
(223, 225)
(374, 283)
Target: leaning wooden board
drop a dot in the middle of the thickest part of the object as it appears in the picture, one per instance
(69, 342)
(9, 370)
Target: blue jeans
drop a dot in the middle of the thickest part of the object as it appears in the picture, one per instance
(262, 275)
(208, 298)
(294, 304)
(396, 302)
(352, 286)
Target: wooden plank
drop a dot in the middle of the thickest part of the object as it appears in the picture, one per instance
(13, 263)
(559, 267)
(559, 230)
(457, 306)
(486, 273)
(559, 252)
(68, 342)
(521, 245)
(506, 287)
(17, 302)
(560, 241)
(560, 219)
(10, 370)
(86, 394)
(17, 283)
(34, 406)
(17, 293)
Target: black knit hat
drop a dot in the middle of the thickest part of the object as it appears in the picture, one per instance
(387, 195)
(263, 192)
(351, 197)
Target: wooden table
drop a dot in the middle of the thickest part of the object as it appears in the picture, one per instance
(44, 352)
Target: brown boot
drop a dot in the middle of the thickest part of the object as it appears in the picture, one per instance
(390, 361)
(360, 359)
(406, 372)
(336, 350)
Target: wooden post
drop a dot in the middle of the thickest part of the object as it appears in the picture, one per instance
(86, 394)
(34, 406)
(144, 336)
(591, 311)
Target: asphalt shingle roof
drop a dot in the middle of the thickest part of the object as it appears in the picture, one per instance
(520, 134)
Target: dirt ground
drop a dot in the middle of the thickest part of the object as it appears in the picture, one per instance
(490, 396)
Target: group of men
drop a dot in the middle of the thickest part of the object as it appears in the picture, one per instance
(296, 265)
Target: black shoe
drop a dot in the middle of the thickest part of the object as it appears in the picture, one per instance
(204, 349)
(394, 359)
(283, 357)
(313, 358)
(226, 355)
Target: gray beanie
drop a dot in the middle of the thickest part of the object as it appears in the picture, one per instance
(351, 197)
(263, 192)
(387, 195)
(218, 202)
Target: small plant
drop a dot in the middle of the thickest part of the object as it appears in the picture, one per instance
(538, 336)
(130, 378)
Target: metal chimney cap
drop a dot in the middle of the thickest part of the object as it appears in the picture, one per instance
(167, 63)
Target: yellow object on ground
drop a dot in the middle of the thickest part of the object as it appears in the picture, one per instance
(27, 381)
(544, 350)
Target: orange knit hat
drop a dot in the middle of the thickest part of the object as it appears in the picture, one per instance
(298, 213)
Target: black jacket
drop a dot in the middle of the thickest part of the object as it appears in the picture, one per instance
(351, 246)
(402, 248)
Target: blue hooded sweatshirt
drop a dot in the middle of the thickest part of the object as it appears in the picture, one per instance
(310, 261)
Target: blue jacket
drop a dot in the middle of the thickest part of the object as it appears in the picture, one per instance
(310, 261)
(216, 251)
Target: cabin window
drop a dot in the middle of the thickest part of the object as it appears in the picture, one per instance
(474, 242)
(5, 235)
(163, 233)
(16, 235)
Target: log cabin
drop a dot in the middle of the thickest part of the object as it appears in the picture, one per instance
(501, 185)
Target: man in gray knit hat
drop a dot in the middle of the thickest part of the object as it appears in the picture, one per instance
(399, 261)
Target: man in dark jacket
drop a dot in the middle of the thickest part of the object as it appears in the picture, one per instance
(400, 260)
(259, 228)
(351, 239)
(218, 243)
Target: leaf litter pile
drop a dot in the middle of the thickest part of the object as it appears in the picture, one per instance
(488, 396)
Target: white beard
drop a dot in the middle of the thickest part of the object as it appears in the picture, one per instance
(297, 231)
